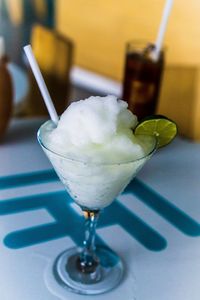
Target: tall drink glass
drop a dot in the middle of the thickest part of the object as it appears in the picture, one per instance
(142, 78)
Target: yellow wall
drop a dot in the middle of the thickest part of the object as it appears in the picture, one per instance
(100, 29)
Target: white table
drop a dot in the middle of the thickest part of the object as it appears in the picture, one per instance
(157, 233)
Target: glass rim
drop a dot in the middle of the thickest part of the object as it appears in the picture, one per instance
(141, 43)
(154, 148)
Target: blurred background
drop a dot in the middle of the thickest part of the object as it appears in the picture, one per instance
(80, 46)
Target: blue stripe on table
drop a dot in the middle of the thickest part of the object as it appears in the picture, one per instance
(114, 214)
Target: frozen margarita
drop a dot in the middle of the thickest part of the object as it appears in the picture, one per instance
(94, 150)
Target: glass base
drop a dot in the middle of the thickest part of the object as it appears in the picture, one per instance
(107, 275)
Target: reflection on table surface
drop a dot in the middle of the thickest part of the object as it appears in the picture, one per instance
(20, 82)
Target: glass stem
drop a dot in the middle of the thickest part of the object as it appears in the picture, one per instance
(88, 260)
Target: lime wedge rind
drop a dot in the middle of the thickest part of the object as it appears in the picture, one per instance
(163, 128)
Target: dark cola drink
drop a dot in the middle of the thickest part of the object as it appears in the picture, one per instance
(142, 80)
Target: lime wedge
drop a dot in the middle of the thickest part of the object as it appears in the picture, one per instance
(163, 128)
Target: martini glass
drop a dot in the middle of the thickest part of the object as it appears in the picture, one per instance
(91, 269)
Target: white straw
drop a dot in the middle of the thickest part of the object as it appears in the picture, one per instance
(42, 86)
(162, 29)
(2, 46)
